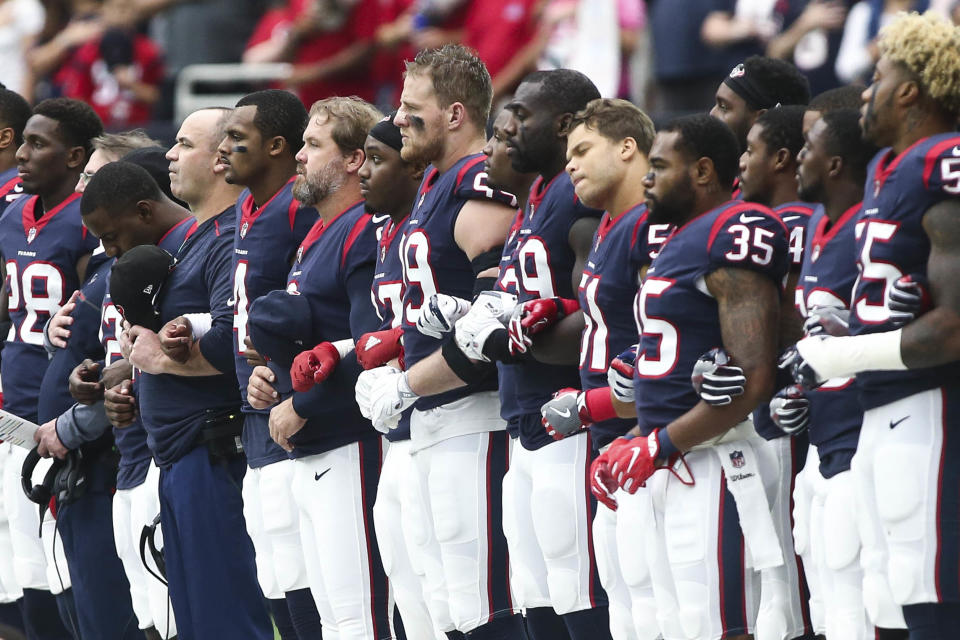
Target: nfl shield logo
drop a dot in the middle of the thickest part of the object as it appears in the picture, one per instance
(300, 254)
(31, 235)
(737, 459)
(816, 253)
(876, 188)
(243, 229)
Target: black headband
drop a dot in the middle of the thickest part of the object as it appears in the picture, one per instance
(751, 91)
(387, 132)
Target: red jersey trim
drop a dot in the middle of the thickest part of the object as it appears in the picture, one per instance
(469, 164)
(319, 228)
(29, 219)
(355, 232)
(171, 229)
(249, 215)
(883, 172)
(820, 238)
(737, 207)
(933, 154)
(9, 186)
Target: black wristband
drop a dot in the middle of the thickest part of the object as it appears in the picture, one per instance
(466, 369)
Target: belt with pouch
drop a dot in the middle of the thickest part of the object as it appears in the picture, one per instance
(220, 433)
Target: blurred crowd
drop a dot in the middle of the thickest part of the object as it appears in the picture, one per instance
(123, 56)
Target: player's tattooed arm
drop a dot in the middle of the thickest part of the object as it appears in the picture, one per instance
(748, 306)
(934, 338)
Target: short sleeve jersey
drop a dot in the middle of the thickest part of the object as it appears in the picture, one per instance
(680, 318)
(623, 248)
(265, 239)
(131, 441)
(41, 256)
(434, 263)
(333, 269)
(387, 294)
(891, 242)
(174, 408)
(826, 280)
(795, 216)
(544, 263)
(11, 188)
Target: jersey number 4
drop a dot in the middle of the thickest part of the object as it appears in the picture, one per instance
(38, 292)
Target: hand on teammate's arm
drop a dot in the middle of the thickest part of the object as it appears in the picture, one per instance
(284, 423)
(147, 354)
(58, 329)
(120, 405)
(260, 391)
(85, 384)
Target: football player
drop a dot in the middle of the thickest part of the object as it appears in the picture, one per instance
(905, 374)
(336, 453)
(453, 245)
(546, 519)
(189, 405)
(753, 86)
(263, 134)
(768, 176)
(715, 282)
(389, 187)
(832, 167)
(845, 97)
(500, 172)
(607, 159)
(101, 590)
(46, 249)
(14, 113)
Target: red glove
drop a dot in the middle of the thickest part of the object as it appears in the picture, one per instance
(535, 316)
(637, 459)
(377, 348)
(314, 366)
(602, 484)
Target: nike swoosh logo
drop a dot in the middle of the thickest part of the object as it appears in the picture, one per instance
(790, 218)
(317, 476)
(379, 218)
(894, 424)
(563, 414)
(231, 302)
(745, 219)
(955, 151)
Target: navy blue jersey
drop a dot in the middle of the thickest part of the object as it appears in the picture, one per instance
(333, 270)
(891, 242)
(174, 408)
(543, 263)
(387, 294)
(507, 282)
(131, 440)
(434, 263)
(41, 258)
(264, 241)
(826, 280)
(84, 342)
(11, 188)
(680, 318)
(795, 216)
(622, 249)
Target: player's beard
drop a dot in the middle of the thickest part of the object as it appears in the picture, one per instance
(674, 206)
(311, 190)
(424, 149)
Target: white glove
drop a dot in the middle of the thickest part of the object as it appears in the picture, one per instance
(490, 311)
(382, 395)
(440, 313)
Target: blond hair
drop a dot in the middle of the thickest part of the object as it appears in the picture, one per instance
(353, 119)
(929, 47)
(458, 75)
(117, 145)
(617, 119)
